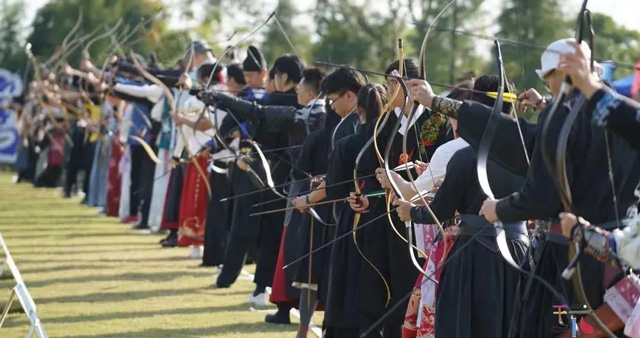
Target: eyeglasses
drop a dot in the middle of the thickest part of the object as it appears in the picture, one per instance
(337, 98)
(391, 83)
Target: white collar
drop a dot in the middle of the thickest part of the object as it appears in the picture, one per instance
(405, 124)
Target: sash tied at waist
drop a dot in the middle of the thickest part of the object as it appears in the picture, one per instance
(471, 225)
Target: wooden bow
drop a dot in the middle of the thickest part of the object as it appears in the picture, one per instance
(172, 103)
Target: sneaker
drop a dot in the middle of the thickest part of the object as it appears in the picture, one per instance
(196, 252)
(258, 301)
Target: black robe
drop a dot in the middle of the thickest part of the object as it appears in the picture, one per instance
(477, 288)
(378, 268)
(342, 310)
(265, 131)
(619, 114)
(218, 220)
(380, 244)
(587, 167)
(303, 229)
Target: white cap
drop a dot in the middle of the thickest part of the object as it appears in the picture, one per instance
(551, 56)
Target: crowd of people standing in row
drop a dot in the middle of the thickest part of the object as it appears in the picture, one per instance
(209, 150)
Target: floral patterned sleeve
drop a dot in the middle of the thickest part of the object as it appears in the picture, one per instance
(602, 110)
(446, 106)
(618, 114)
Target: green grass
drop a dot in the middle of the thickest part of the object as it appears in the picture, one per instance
(91, 276)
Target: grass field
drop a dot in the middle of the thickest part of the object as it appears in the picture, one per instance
(91, 276)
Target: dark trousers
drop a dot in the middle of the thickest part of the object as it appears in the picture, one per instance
(142, 169)
(71, 177)
(135, 191)
(218, 220)
(49, 177)
(77, 160)
(26, 164)
(234, 257)
(268, 247)
(148, 167)
(87, 163)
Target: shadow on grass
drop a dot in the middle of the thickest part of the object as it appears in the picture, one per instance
(119, 243)
(8, 219)
(229, 330)
(152, 277)
(100, 297)
(180, 258)
(60, 268)
(45, 234)
(144, 314)
(17, 319)
(61, 251)
(33, 232)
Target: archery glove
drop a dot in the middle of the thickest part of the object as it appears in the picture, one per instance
(210, 98)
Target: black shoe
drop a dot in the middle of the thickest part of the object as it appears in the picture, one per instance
(170, 243)
(170, 236)
(217, 286)
(278, 318)
(165, 239)
(140, 226)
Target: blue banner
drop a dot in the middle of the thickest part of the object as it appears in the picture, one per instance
(10, 87)
(8, 136)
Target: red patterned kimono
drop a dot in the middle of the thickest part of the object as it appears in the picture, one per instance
(278, 288)
(419, 321)
(193, 205)
(114, 178)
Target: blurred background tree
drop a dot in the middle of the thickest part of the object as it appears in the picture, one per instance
(449, 55)
(521, 21)
(358, 34)
(339, 31)
(12, 55)
(55, 20)
(299, 36)
(614, 42)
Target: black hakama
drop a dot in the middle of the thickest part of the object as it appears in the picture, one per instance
(311, 233)
(477, 288)
(218, 215)
(342, 308)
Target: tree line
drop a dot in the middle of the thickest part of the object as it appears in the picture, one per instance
(341, 31)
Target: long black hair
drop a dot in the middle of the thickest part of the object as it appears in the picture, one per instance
(372, 97)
